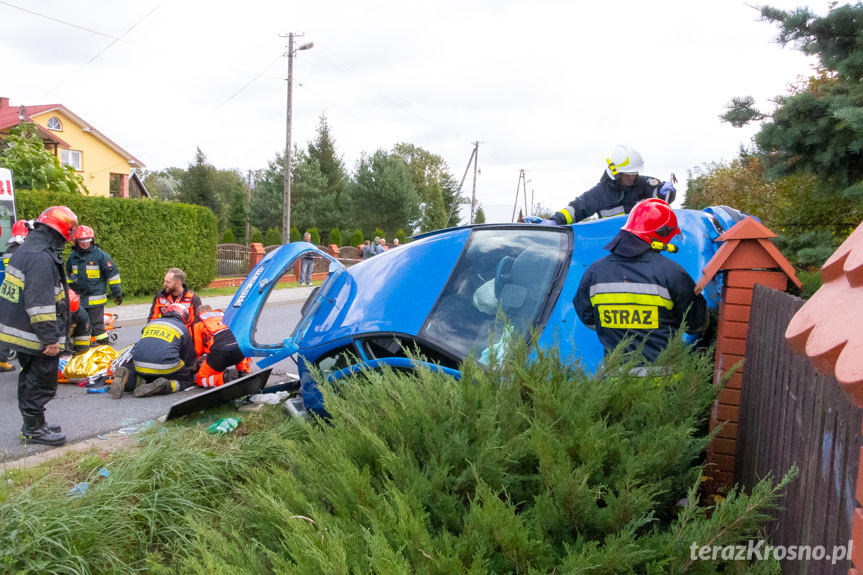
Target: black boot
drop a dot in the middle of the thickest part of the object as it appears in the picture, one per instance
(52, 427)
(33, 431)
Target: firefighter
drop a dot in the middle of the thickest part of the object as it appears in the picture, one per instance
(617, 192)
(80, 328)
(20, 230)
(34, 318)
(163, 360)
(175, 291)
(91, 271)
(636, 290)
(217, 349)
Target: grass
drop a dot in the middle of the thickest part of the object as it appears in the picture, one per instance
(533, 466)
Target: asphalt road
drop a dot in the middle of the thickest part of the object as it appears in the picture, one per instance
(86, 416)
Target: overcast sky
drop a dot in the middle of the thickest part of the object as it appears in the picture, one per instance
(548, 86)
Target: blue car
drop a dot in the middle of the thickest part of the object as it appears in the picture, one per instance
(441, 292)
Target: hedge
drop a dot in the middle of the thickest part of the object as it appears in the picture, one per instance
(144, 237)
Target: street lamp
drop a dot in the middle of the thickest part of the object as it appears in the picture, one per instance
(286, 214)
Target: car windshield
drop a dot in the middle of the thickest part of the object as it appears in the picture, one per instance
(511, 270)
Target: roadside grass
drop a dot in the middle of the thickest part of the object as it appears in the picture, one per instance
(530, 466)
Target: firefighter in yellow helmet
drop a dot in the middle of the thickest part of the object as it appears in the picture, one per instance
(619, 189)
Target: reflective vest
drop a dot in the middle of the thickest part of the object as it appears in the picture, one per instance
(210, 324)
(188, 300)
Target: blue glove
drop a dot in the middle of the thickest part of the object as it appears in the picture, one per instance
(532, 220)
(666, 188)
(548, 223)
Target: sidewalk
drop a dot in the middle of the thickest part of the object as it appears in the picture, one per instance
(136, 314)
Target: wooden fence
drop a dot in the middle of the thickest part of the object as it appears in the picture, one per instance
(789, 414)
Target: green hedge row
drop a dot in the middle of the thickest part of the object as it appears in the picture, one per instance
(145, 237)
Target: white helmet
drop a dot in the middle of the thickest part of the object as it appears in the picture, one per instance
(624, 160)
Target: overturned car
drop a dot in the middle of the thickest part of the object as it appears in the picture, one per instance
(440, 294)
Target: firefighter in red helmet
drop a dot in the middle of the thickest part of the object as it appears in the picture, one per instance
(35, 318)
(636, 291)
(91, 271)
(163, 360)
(20, 229)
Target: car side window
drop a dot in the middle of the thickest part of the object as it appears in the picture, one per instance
(337, 359)
(508, 270)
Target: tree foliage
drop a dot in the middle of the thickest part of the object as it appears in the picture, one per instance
(382, 194)
(35, 168)
(273, 237)
(434, 184)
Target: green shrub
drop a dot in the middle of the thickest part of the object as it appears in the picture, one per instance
(228, 238)
(532, 466)
(273, 238)
(316, 236)
(379, 233)
(401, 237)
(335, 237)
(144, 237)
(295, 234)
(357, 238)
(257, 236)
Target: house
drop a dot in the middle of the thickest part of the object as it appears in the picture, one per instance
(107, 169)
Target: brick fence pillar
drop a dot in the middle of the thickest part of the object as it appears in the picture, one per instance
(746, 258)
(256, 254)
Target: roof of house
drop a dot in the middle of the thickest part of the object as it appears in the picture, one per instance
(827, 327)
(9, 117)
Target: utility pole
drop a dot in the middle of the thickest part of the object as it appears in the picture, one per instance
(473, 194)
(286, 213)
(248, 205)
(517, 188)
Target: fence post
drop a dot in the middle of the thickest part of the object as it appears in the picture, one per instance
(827, 330)
(746, 258)
(256, 255)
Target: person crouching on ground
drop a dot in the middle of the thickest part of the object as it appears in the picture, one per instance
(163, 360)
(218, 350)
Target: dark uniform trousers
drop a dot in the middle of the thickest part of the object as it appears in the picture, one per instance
(37, 381)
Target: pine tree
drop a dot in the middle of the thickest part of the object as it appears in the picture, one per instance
(273, 237)
(228, 238)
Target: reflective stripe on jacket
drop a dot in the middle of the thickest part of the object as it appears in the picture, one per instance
(34, 310)
(646, 296)
(188, 300)
(607, 199)
(165, 347)
(90, 273)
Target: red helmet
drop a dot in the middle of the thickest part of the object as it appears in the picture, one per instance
(652, 220)
(179, 311)
(61, 219)
(74, 301)
(19, 232)
(84, 233)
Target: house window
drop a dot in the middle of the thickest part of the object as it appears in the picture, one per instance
(54, 124)
(115, 185)
(71, 158)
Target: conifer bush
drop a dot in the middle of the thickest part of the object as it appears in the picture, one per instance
(530, 466)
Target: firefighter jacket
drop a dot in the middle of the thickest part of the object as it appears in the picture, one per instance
(80, 330)
(646, 295)
(608, 198)
(165, 347)
(188, 300)
(8, 253)
(34, 304)
(90, 273)
(210, 333)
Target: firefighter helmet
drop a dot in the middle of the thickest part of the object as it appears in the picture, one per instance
(624, 160)
(19, 232)
(74, 301)
(177, 310)
(61, 219)
(84, 233)
(652, 220)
